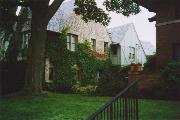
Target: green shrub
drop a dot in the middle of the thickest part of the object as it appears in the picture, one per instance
(171, 76)
(150, 65)
(112, 81)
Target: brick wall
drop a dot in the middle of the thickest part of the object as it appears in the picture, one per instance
(167, 35)
(146, 81)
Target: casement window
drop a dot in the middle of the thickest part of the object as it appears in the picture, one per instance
(93, 44)
(25, 40)
(106, 47)
(72, 41)
(176, 52)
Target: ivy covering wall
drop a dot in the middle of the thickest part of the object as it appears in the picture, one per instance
(71, 68)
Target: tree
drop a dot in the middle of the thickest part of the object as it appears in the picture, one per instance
(42, 12)
(10, 30)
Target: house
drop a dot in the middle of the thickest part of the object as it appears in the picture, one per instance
(126, 48)
(167, 28)
(78, 31)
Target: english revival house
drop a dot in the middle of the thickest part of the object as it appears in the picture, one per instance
(126, 48)
(78, 31)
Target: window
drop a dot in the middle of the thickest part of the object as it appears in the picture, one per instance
(106, 47)
(72, 40)
(176, 52)
(114, 50)
(132, 53)
(25, 40)
(93, 43)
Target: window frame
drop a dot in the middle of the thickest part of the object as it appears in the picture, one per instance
(69, 42)
(132, 52)
(93, 44)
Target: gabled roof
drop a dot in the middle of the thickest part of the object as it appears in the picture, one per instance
(117, 33)
(61, 16)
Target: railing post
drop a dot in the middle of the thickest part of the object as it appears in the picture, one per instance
(126, 109)
(111, 112)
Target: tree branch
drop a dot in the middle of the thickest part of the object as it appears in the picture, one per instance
(53, 8)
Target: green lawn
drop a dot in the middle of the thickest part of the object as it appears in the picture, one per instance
(75, 107)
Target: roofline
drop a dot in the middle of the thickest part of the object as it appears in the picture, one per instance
(121, 25)
(139, 41)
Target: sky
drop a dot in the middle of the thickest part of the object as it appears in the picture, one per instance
(146, 30)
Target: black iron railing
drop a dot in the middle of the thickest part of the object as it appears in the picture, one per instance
(122, 107)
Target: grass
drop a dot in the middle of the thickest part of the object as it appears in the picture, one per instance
(75, 107)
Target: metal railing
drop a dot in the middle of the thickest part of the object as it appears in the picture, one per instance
(122, 107)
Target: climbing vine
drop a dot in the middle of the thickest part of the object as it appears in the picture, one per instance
(71, 67)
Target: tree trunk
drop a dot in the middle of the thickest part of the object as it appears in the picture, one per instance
(35, 72)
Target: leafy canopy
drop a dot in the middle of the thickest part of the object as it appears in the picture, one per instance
(87, 8)
(90, 11)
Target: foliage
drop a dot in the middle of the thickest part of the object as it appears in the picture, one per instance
(88, 64)
(112, 81)
(10, 32)
(150, 65)
(12, 76)
(167, 86)
(63, 61)
(171, 73)
(90, 11)
(126, 7)
(70, 66)
(88, 89)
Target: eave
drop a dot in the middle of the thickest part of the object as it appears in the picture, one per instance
(151, 5)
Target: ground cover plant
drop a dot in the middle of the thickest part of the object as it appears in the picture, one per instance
(53, 106)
